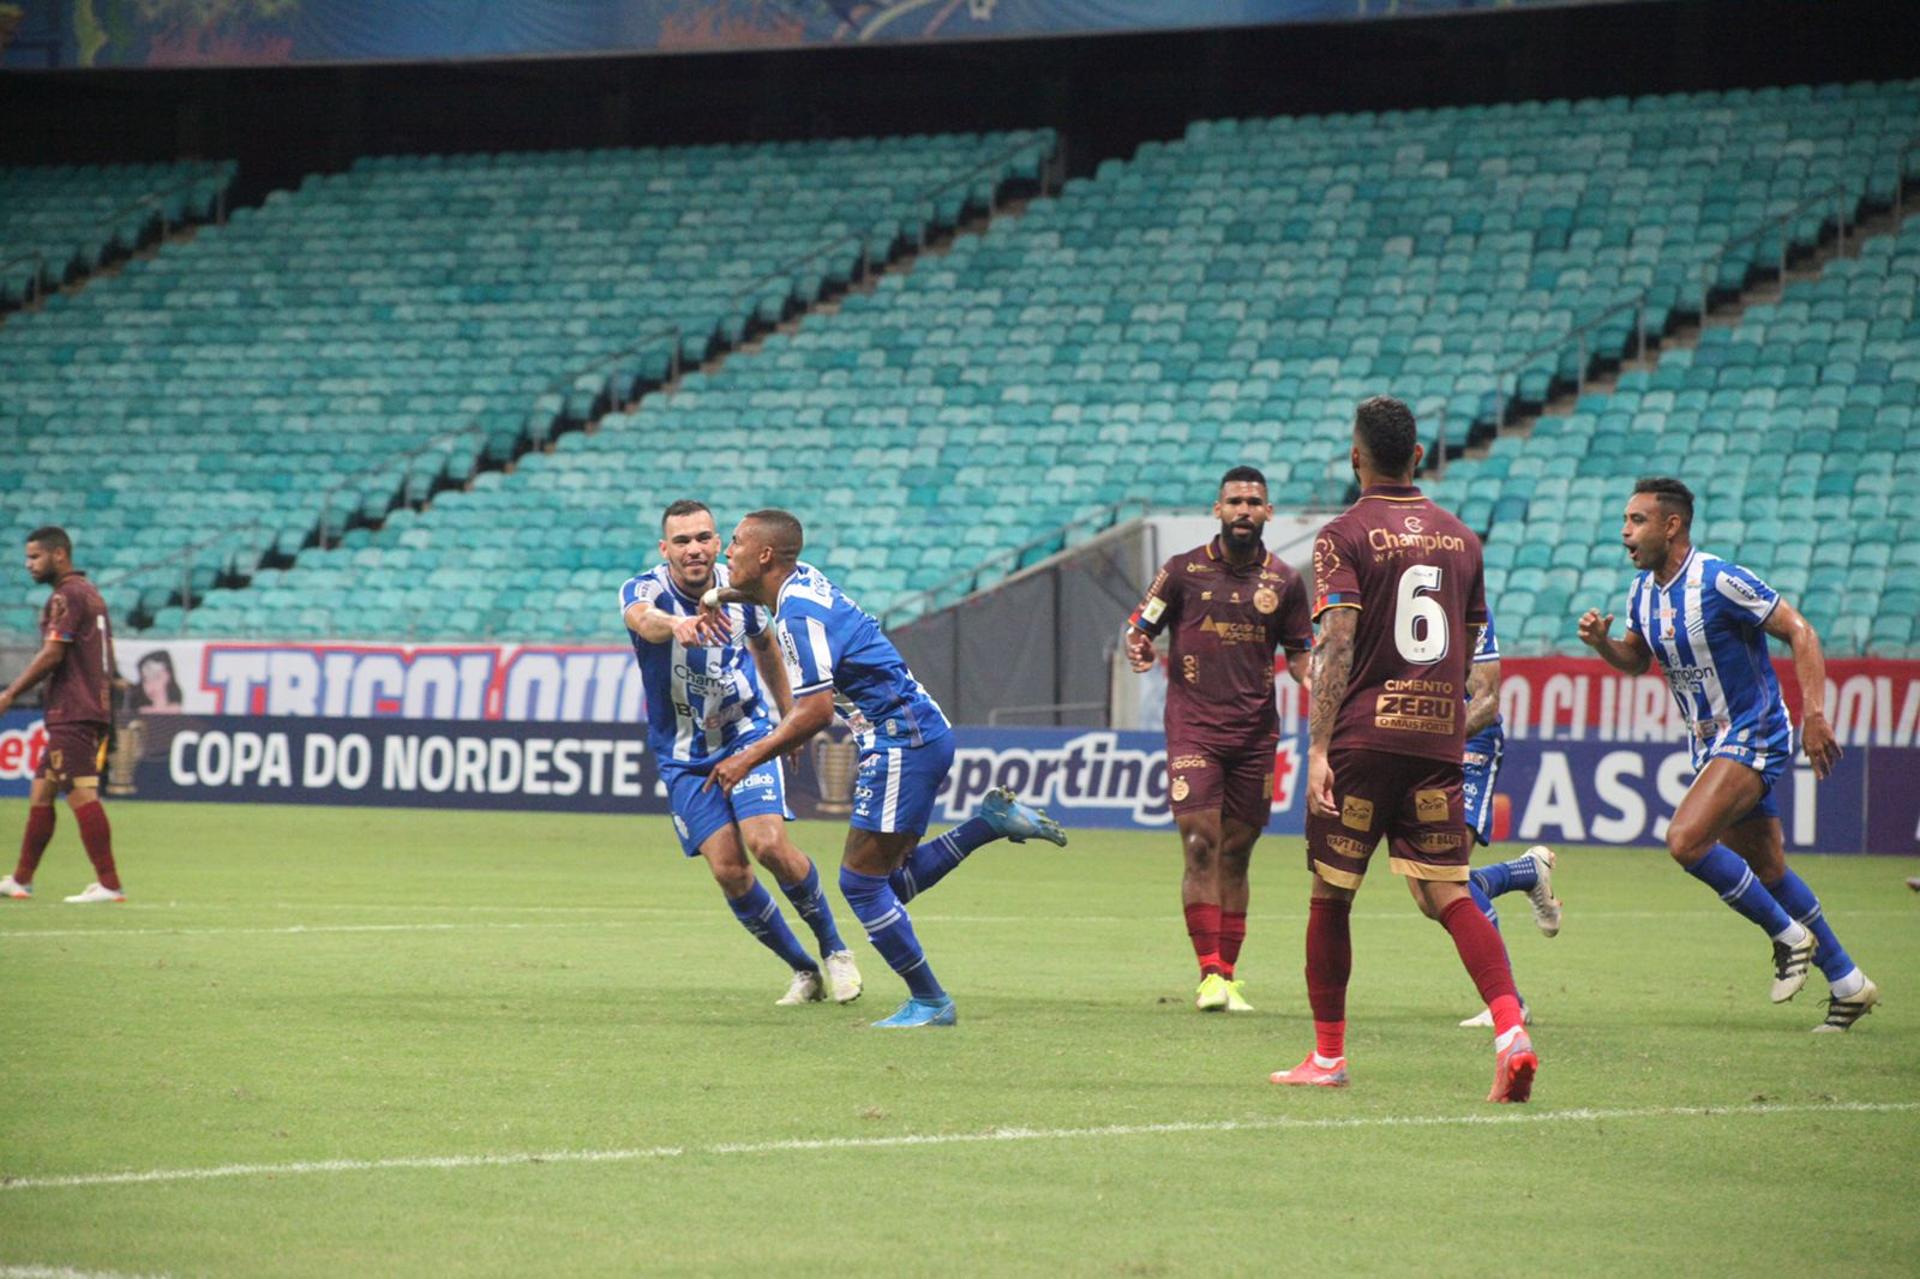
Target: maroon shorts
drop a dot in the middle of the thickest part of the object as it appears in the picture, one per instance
(75, 752)
(1416, 803)
(1234, 781)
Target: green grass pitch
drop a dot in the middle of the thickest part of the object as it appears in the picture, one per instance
(321, 1003)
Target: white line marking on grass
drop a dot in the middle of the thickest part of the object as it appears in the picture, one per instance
(1491, 1119)
(64, 1272)
(295, 929)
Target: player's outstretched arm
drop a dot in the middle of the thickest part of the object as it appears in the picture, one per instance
(1810, 668)
(1483, 695)
(42, 665)
(1332, 671)
(809, 715)
(1629, 654)
(657, 626)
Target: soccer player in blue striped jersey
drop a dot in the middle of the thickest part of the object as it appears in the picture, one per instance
(706, 701)
(842, 661)
(1532, 871)
(1705, 621)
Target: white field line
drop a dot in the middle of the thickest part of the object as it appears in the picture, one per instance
(1490, 1119)
(62, 1272)
(298, 929)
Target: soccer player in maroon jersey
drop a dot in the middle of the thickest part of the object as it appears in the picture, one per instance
(76, 660)
(1400, 599)
(1229, 604)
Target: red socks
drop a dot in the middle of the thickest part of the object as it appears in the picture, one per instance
(1233, 931)
(1329, 964)
(1485, 957)
(97, 836)
(1203, 927)
(33, 843)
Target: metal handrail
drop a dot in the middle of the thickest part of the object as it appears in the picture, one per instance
(1838, 192)
(37, 291)
(1106, 518)
(323, 526)
(36, 287)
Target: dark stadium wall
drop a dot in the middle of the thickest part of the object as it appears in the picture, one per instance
(1105, 94)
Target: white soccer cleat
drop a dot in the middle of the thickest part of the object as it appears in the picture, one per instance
(1790, 964)
(805, 989)
(11, 887)
(1546, 907)
(843, 976)
(93, 893)
(1483, 1020)
(1842, 1013)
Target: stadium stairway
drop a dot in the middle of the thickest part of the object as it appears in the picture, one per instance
(1795, 423)
(348, 350)
(59, 224)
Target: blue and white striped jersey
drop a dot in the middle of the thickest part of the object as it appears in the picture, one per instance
(1704, 629)
(702, 703)
(1487, 649)
(830, 643)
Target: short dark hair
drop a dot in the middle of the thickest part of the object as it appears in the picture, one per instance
(1385, 427)
(1243, 475)
(52, 538)
(685, 506)
(1675, 498)
(783, 530)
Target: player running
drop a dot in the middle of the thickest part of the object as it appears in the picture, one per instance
(1706, 620)
(76, 660)
(705, 700)
(841, 658)
(1532, 871)
(1399, 596)
(1229, 605)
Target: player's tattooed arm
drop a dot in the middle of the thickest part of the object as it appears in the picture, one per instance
(1629, 654)
(1810, 669)
(657, 626)
(1331, 672)
(1483, 695)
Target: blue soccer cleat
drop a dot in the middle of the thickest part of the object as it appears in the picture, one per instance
(921, 1012)
(1013, 820)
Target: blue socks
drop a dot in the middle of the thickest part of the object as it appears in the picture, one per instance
(1793, 894)
(757, 913)
(811, 904)
(1728, 874)
(929, 863)
(878, 908)
(1521, 873)
(1476, 888)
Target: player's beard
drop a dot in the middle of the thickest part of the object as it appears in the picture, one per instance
(1240, 539)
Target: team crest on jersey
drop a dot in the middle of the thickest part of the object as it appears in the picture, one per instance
(1180, 789)
(1266, 599)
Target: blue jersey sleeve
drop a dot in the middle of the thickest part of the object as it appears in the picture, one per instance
(1633, 606)
(1488, 647)
(643, 589)
(756, 619)
(806, 641)
(1752, 600)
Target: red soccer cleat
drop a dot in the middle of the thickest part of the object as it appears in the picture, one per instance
(1311, 1074)
(1513, 1071)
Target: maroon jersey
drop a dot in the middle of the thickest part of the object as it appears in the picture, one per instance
(1226, 622)
(1414, 572)
(75, 615)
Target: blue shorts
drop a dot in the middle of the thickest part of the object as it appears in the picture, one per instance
(896, 784)
(1480, 770)
(698, 814)
(1770, 764)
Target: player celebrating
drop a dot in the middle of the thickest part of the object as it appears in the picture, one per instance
(703, 703)
(1399, 596)
(1532, 871)
(76, 660)
(906, 747)
(1706, 620)
(1229, 604)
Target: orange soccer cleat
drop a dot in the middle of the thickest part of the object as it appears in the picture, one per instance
(1311, 1073)
(1513, 1070)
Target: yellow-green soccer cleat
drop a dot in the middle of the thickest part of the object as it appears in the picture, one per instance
(1213, 994)
(1237, 998)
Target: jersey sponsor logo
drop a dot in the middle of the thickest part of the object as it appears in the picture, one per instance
(1356, 813)
(1475, 759)
(1434, 841)
(1412, 524)
(1194, 567)
(757, 779)
(1387, 542)
(1234, 632)
(1190, 668)
(1187, 763)
(1731, 585)
(1266, 599)
(1430, 805)
(1415, 712)
(704, 685)
(1155, 609)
